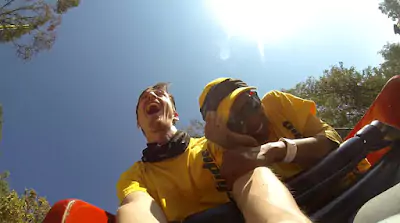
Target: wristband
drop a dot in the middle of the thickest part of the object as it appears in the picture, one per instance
(291, 150)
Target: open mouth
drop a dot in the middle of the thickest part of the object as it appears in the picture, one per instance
(153, 108)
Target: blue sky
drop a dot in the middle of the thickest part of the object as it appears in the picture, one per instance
(70, 126)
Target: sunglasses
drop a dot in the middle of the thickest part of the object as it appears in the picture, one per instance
(237, 118)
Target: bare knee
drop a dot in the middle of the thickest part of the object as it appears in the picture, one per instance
(244, 185)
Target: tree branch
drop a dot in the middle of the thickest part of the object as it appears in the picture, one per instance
(31, 7)
(7, 4)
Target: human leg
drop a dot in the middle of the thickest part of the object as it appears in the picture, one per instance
(262, 197)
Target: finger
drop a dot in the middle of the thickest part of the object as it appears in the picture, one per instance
(219, 120)
(250, 153)
(210, 117)
(210, 122)
(241, 139)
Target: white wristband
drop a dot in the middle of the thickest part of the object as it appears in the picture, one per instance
(291, 150)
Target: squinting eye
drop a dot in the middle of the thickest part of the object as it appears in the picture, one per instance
(159, 93)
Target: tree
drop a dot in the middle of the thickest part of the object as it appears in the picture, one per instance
(391, 8)
(30, 24)
(391, 55)
(27, 207)
(64, 5)
(14, 208)
(4, 187)
(342, 95)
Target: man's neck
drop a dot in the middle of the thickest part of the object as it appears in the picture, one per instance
(162, 137)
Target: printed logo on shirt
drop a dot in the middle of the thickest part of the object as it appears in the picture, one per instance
(210, 164)
(289, 126)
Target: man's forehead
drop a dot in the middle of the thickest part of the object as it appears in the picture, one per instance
(153, 89)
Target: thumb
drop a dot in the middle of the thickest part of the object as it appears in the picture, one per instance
(243, 140)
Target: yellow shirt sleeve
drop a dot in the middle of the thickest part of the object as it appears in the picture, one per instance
(316, 126)
(131, 181)
(302, 113)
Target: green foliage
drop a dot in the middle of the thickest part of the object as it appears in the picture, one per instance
(391, 55)
(30, 24)
(64, 5)
(25, 208)
(34, 19)
(342, 95)
(4, 187)
(391, 8)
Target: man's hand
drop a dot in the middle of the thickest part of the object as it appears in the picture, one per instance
(240, 161)
(236, 163)
(272, 152)
(216, 131)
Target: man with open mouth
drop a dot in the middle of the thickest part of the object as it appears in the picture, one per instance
(178, 175)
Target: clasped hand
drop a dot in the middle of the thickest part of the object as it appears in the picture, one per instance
(242, 152)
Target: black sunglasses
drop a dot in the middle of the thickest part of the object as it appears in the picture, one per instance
(237, 119)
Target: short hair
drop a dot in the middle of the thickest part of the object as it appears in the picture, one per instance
(159, 86)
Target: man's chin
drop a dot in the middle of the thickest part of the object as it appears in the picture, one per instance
(160, 125)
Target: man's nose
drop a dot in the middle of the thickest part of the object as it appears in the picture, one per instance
(151, 95)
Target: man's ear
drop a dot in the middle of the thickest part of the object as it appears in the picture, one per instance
(176, 116)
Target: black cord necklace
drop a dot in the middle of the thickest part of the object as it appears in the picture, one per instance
(174, 147)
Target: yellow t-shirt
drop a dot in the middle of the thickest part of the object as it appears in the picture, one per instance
(294, 117)
(188, 183)
(181, 185)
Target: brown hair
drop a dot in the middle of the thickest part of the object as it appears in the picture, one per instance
(159, 86)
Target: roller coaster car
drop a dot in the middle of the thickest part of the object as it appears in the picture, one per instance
(376, 137)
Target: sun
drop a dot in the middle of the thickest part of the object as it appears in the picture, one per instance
(262, 21)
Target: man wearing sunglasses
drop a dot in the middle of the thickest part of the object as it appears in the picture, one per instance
(282, 129)
(178, 175)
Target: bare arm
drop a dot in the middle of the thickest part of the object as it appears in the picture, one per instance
(312, 149)
(309, 150)
(323, 139)
(262, 197)
(140, 207)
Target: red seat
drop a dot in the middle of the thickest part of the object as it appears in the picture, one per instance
(77, 211)
(385, 108)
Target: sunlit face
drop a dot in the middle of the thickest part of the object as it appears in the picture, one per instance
(247, 115)
(155, 111)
